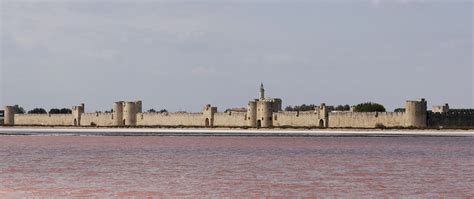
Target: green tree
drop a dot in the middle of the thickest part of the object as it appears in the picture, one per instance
(163, 111)
(151, 111)
(302, 107)
(347, 107)
(330, 107)
(399, 110)
(18, 109)
(339, 108)
(37, 111)
(60, 111)
(369, 107)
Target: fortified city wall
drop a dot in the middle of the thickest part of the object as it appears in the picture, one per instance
(261, 113)
(230, 119)
(414, 116)
(97, 119)
(366, 120)
(463, 119)
(44, 119)
(170, 119)
(298, 119)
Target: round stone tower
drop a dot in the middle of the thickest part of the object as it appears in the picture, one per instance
(266, 114)
(130, 113)
(252, 114)
(9, 115)
(118, 114)
(415, 113)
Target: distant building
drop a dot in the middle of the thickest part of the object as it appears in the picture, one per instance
(441, 109)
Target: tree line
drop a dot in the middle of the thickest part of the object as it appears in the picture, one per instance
(362, 107)
(20, 110)
(51, 111)
(160, 111)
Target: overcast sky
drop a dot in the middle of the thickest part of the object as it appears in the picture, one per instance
(181, 55)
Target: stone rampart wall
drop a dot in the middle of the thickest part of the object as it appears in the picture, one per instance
(230, 119)
(451, 120)
(170, 119)
(97, 119)
(44, 119)
(296, 119)
(366, 120)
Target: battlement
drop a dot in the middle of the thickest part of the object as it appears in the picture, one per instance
(97, 114)
(454, 113)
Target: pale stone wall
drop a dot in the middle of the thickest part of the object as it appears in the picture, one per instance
(170, 119)
(44, 119)
(230, 119)
(97, 119)
(366, 120)
(297, 119)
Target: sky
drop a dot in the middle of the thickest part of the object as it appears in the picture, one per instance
(181, 55)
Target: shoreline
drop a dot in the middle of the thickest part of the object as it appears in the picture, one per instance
(235, 132)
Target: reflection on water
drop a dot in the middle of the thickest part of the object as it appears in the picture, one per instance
(80, 166)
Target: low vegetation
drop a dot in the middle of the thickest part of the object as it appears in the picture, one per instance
(154, 111)
(60, 111)
(340, 108)
(399, 110)
(302, 107)
(18, 109)
(37, 111)
(369, 107)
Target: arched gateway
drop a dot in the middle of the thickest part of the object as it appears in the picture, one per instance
(207, 123)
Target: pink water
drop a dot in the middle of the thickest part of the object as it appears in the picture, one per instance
(89, 166)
